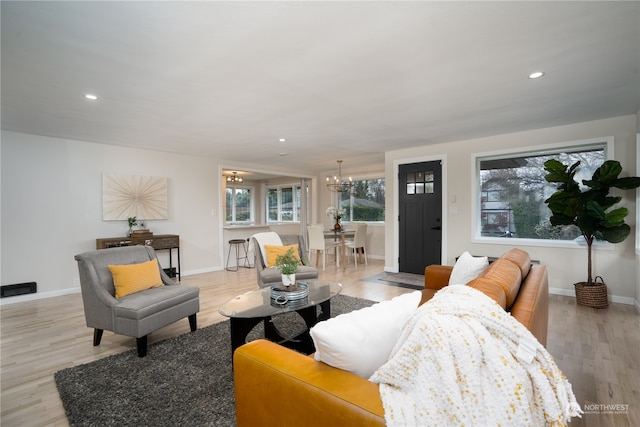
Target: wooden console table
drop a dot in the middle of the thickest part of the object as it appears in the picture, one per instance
(158, 242)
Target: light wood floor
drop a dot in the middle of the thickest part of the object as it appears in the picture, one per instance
(597, 349)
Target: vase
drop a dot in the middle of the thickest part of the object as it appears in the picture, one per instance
(288, 279)
(337, 226)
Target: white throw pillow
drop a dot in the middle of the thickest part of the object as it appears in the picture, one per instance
(361, 341)
(467, 268)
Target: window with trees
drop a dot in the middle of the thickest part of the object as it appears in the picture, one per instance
(239, 204)
(513, 190)
(365, 202)
(283, 203)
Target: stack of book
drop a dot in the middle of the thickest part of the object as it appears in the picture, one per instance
(142, 233)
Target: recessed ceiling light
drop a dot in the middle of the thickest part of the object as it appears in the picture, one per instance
(536, 75)
(90, 97)
(282, 140)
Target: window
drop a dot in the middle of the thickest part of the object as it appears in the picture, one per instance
(513, 190)
(239, 202)
(366, 200)
(420, 182)
(283, 203)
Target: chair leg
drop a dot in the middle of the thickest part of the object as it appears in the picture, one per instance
(229, 256)
(97, 336)
(193, 322)
(142, 346)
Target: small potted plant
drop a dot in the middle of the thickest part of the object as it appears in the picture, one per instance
(588, 208)
(288, 263)
(133, 221)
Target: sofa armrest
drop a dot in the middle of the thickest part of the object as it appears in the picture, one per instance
(532, 305)
(437, 276)
(267, 376)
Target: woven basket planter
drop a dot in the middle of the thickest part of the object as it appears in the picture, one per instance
(594, 295)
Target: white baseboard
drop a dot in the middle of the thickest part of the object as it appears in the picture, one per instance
(565, 292)
(612, 298)
(38, 295)
(75, 290)
(201, 271)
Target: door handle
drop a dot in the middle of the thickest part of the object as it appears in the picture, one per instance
(436, 228)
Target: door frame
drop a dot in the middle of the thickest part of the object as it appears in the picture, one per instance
(394, 222)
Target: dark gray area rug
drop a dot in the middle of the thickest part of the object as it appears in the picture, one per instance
(186, 380)
(403, 280)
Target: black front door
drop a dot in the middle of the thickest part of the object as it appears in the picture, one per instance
(420, 222)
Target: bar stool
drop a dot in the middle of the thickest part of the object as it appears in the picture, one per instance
(238, 243)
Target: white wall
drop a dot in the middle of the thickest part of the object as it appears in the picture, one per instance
(52, 206)
(566, 266)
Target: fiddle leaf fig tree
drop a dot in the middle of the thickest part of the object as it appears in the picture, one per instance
(589, 209)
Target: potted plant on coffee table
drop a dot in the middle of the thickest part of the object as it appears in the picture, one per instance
(288, 263)
(589, 208)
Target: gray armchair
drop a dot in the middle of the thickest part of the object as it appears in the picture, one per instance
(267, 276)
(138, 314)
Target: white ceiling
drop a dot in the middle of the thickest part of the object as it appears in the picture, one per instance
(338, 80)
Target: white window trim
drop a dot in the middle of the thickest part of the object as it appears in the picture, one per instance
(368, 175)
(538, 149)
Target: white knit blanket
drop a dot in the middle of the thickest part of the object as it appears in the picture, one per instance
(266, 238)
(462, 360)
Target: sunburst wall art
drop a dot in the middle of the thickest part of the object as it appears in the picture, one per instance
(124, 196)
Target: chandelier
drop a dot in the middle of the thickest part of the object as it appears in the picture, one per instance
(234, 177)
(335, 183)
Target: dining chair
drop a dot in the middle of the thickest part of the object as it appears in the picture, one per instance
(358, 244)
(318, 243)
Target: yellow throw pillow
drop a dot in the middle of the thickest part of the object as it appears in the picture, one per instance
(131, 278)
(274, 251)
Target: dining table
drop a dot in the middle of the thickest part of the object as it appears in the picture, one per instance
(340, 235)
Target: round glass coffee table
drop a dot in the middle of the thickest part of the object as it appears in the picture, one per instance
(247, 310)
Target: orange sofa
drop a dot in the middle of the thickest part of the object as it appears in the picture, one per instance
(278, 386)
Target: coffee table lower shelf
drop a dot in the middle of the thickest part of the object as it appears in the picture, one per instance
(242, 326)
